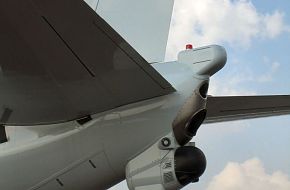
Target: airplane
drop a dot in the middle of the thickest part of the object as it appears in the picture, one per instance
(82, 109)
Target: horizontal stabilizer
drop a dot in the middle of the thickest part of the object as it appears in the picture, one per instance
(232, 108)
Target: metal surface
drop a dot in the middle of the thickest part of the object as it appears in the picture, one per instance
(143, 24)
(246, 107)
(60, 61)
(50, 152)
(63, 151)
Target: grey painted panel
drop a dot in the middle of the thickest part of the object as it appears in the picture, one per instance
(246, 107)
(60, 61)
(52, 185)
(90, 175)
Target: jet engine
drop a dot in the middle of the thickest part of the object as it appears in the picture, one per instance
(190, 116)
(171, 169)
(173, 161)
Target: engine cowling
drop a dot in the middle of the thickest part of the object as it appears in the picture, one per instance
(190, 116)
(165, 169)
(173, 161)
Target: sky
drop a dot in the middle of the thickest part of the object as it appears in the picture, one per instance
(248, 154)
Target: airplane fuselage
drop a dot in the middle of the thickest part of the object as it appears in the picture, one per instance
(93, 155)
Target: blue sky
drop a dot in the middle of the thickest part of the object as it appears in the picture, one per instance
(252, 154)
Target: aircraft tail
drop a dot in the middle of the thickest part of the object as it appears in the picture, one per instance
(143, 24)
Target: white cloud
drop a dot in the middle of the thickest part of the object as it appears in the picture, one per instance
(274, 24)
(249, 175)
(226, 87)
(235, 82)
(203, 22)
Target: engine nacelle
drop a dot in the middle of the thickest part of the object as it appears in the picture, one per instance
(165, 168)
(173, 162)
(203, 62)
(190, 116)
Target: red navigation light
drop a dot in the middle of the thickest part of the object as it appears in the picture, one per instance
(188, 46)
